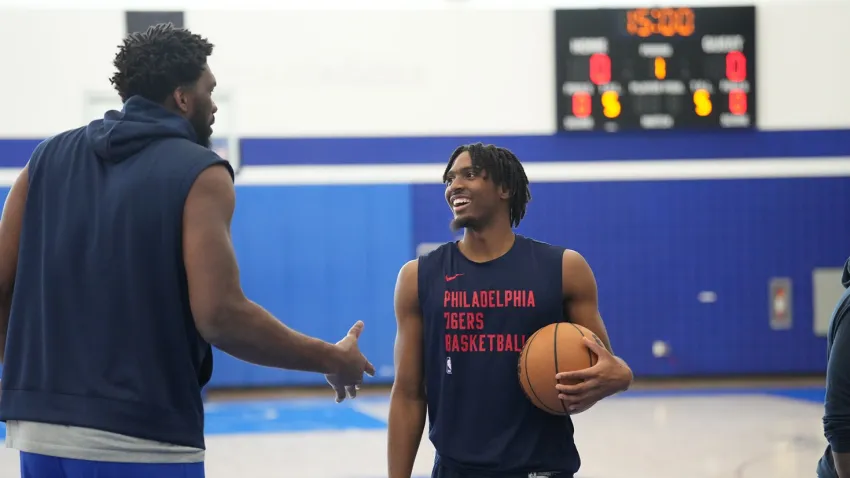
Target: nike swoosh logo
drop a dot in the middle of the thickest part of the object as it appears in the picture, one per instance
(451, 278)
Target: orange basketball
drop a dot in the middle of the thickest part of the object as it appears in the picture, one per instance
(553, 349)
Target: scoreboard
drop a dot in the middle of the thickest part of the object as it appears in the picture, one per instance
(655, 68)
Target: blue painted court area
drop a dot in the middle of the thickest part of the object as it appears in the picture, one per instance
(815, 395)
(283, 416)
(322, 414)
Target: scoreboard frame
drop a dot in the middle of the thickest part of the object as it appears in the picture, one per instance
(664, 68)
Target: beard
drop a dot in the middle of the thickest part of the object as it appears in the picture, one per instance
(203, 128)
(462, 222)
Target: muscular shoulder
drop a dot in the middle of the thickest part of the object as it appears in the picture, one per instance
(572, 260)
(407, 285)
(577, 275)
(213, 183)
(408, 272)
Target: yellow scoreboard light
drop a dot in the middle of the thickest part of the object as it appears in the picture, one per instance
(611, 106)
(702, 103)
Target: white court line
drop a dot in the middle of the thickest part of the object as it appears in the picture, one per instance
(538, 172)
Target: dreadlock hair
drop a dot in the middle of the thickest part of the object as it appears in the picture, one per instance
(504, 169)
(154, 63)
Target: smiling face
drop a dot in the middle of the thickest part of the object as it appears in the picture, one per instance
(471, 194)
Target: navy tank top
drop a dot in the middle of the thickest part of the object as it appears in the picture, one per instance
(101, 333)
(476, 318)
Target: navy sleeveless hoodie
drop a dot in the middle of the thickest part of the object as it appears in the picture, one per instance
(101, 333)
(476, 318)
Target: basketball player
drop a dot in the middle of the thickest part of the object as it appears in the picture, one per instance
(835, 462)
(464, 312)
(117, 273)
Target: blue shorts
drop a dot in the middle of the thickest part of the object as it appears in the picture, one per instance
(41, 466)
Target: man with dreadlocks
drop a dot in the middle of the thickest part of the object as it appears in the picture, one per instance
(464, 312)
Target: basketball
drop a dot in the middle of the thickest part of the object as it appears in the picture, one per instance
(553, 349)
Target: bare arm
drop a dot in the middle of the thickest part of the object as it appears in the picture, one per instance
(407, 399)
(836, 419)
(11, 224)
(581, 300)
(223, 315)
(842, 463)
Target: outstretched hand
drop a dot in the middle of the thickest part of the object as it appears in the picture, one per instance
(581, 389)
(347, 381)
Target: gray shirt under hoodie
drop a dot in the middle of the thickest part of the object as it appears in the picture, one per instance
(94, 445)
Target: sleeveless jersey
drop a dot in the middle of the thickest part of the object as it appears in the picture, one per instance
(476, 318)
(101, 333)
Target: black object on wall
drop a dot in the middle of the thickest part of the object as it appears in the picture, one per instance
(140, 21)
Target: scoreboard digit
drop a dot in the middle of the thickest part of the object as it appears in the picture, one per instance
(655, 68)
